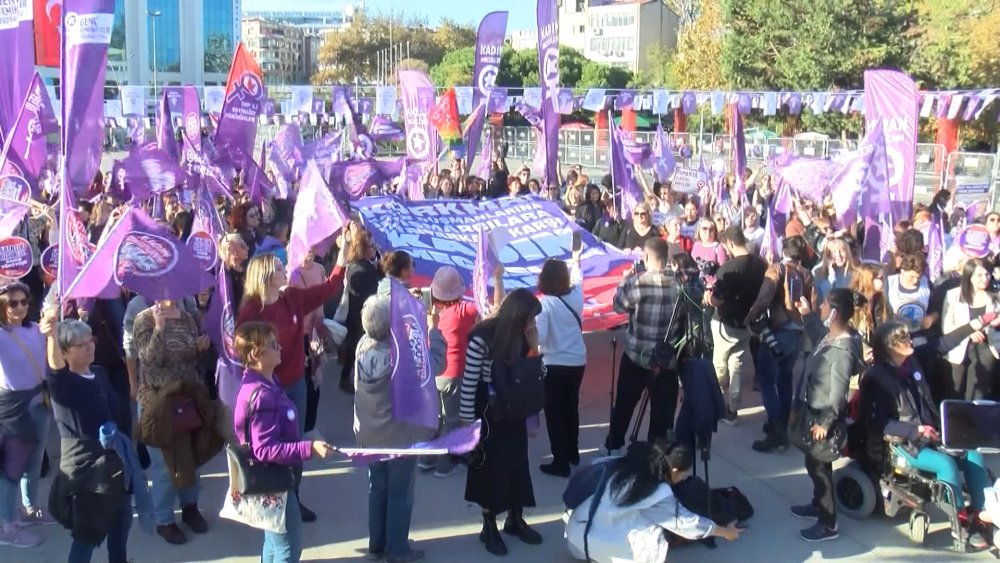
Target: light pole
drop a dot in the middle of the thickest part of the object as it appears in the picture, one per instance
(154, 14)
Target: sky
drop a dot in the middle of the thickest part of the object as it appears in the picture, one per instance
(521, 12)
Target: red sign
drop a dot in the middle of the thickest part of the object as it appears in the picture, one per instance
(48, 18)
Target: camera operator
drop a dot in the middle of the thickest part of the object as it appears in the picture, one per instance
(651, 298)
(736, 287)
(784, 284)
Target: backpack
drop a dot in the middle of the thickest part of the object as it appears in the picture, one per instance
(518, 388)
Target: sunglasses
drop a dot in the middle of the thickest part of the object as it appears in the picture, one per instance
(18, 303)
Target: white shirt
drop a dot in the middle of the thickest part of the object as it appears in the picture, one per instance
(560, 337)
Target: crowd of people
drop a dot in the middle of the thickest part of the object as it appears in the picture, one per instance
(705, 285)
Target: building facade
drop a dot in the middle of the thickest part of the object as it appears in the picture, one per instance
(279, 49)
(312, 26)
(617, 32)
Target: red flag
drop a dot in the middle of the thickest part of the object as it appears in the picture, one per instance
(243, 61)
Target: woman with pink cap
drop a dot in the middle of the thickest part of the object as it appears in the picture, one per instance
(457, 317)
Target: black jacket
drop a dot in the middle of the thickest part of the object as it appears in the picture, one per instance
(87, 491)
(895, 405)
(703, 404)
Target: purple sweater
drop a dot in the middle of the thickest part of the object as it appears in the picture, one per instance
(274, 428)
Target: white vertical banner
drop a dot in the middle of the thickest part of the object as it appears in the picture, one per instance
(661, 101)
(533, 97)
(302, 99)
(133, 100)
(463, 97)
(214, 96)
(113, 109)
(385, 100)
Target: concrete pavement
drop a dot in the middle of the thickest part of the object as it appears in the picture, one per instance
(445, 526)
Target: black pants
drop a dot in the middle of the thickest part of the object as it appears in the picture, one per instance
(562, 412)
(822, 478)
(632, 380)
(312, 393)
(972, 380)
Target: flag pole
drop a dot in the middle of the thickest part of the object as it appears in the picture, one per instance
(611, 160)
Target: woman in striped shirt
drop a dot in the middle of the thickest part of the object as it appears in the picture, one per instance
(499, 478)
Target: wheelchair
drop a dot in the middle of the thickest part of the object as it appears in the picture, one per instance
(892, 485)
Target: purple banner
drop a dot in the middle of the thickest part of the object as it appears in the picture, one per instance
(16, 259)
(385, 129)
(17, 66)
(418, 99)
(414, 394)
(891, 96)
(86, 33)
(808, 177)
(219, 322)
(497, 102)
(739, 147)
(664, 162)
(489, 46)
(621, 172)
(547, 19)
(184, 103)
(150, 171)
(24, 150)
(165, 139)
(317, 216)
(445, 233)
(861, 172)
(935, 248)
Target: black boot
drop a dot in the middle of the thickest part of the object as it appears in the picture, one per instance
(490, 536)
(516, 526)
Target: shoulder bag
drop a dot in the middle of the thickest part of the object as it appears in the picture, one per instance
(255, 477)
(801, 419)
(576, 316)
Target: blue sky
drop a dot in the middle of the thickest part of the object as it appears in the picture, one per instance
(522, 12)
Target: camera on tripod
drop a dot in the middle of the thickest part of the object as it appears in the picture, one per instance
(760, 326)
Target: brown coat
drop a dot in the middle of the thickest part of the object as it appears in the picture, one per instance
(183, 453)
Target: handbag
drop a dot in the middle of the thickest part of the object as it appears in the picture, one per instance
(184, 414)
(801, 419)
(255, 477)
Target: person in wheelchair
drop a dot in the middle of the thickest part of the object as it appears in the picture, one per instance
(896, 405)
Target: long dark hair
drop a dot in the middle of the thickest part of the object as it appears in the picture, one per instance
(504, 332)
(967, 292)
(640, 472)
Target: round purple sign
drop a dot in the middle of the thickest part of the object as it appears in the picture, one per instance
(204, 249)
(15, 258)
(50, 260)
(143, 255)
(975, 241)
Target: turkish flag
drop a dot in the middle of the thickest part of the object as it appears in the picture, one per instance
(48, 17)
(243, 61)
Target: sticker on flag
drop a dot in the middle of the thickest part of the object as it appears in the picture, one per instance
(14, 188)
(203, 249)
(15, 258)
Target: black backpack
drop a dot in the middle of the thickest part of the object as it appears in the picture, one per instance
(518, 388)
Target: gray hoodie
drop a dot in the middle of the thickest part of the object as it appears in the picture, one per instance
(829, 369)
(374, 426)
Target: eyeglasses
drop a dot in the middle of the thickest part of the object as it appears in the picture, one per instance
(13, 303)
(83, 343)
(902, 340)
(641, 214)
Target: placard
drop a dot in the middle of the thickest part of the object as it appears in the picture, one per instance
(688, 180)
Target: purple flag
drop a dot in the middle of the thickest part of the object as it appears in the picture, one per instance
(219, 322)
(935, 248)
(794, 103)
(891, 96)
(24, 149)
(663, 156)
(497, 101)
(165, 139)
(489, 45)
(188, 107)
(414, 394)
(739, 148)
(151, 171)
(74, 248)
(418, 99)
(482, 269)
(460, 441)
(486, 156)
(136, 132)
(143, 257)
(317, 216)
(86, 33)
(255, 180)
(384, 129)
(808, 177)
(364, 144)
(11, 214)
(622, 173)
(624, 99)
(636, 152)
(857, 173)
(547, 18)
(17, 66)
(530, 114)
(324, 151)
(689, 103)
(770, 247)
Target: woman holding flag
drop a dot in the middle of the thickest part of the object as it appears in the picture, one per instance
(267, 298)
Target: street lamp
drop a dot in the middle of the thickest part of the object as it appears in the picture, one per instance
(154, 14)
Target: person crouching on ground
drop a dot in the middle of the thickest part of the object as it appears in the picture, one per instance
(390, 483)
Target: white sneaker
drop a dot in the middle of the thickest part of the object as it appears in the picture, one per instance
(32, 516)
(12, 535)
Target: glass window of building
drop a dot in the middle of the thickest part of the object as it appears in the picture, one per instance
(167, 36)
(219, 40)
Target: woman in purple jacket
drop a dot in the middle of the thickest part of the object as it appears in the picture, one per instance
(274, 428)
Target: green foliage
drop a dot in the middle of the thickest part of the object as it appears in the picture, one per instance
(597, 75)
(660, 73)
(455, 69)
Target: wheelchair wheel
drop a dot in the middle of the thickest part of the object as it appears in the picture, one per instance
(919, 523)
(855, 492)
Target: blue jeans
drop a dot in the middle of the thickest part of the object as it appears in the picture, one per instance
(287, 547)
(165, 495)
(81, 552)
(390, 505)
(297, 393)
(9, 502)
(775, 376)
(946, 468)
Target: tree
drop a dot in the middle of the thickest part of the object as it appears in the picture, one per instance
(696, 64)
(597, 75)
(660, 73)
(455, 69)
(354, 52)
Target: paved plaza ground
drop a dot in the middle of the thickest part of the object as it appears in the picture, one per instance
(445, 526)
